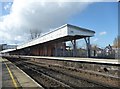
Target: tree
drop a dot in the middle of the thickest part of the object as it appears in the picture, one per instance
(35, 33)
(116, 42)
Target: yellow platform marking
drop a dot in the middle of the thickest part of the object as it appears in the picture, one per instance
(11, 75)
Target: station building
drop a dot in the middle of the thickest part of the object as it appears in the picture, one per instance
(53, 43)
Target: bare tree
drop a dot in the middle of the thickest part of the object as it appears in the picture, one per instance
(35, 33)
(116, 42)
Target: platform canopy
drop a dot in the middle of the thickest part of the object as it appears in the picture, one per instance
(64, 33)
(7, 50)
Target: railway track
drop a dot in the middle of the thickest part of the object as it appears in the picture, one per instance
(43, 79)
(87, 74)
(49, 77)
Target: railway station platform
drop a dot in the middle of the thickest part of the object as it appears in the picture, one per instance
(13, 77)
(77, 59)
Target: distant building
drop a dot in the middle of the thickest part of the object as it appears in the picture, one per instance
(117, 52)
(5, 46)
(107, 52)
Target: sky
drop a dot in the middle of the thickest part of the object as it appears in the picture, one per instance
(102, 17)
(19, 16)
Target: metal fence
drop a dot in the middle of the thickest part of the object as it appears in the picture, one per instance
(114, 54)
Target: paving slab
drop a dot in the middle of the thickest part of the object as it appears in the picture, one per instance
(20, 78)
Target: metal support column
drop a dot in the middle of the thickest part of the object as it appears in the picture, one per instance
(87, 40)
(74, 47)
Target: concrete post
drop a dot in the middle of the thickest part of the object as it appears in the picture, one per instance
(56, 54)
(64, 45)
(45, 50)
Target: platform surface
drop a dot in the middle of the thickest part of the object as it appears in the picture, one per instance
(77, 59)
(13, 77)
(0, 73)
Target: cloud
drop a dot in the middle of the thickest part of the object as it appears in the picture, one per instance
(7, 6)
(33, 14)
(69, 0)
(37, 14)
(103, 33)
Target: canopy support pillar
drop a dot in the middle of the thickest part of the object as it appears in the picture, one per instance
(87, 40)
(74, 47)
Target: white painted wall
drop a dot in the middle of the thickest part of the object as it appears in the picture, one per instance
(75, 31)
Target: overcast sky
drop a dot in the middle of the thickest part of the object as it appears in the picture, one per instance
(19, 16)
